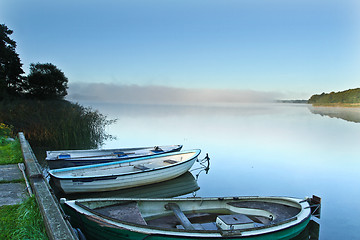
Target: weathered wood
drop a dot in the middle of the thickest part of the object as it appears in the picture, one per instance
(180, 216)
(128, 212)
(56, 226)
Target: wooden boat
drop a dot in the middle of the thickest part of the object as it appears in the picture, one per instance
(123, 174)
(190, 218)
(72, 158)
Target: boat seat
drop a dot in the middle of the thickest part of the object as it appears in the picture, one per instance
(141, 167)
(185, 222)
(234, 222)
(170, 161)
(211, 226)
(63, 156)
(119, 154)
(123, 154)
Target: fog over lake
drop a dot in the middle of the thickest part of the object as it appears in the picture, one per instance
(259, 149)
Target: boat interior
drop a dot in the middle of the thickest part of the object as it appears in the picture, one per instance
(127, 166)
(203, 216)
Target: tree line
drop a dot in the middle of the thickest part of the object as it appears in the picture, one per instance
(35, 104)
(348, 96)
(45, 80)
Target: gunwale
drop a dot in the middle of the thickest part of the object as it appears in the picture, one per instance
(74, 158)
(52, 155)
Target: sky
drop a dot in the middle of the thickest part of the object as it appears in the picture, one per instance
(218, 49)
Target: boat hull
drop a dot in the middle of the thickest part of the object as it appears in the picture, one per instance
(73, 158)
(113, 181)
(181, 185)
(97, 230)
(96, 227)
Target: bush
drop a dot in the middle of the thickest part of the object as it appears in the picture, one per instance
(5, 130)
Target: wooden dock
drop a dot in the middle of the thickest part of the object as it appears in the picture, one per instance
(56, 225)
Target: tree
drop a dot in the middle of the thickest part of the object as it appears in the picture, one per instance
(11, 79)
(46, 81)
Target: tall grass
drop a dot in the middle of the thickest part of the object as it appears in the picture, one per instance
(56, 124)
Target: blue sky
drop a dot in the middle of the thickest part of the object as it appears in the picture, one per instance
(293, 48)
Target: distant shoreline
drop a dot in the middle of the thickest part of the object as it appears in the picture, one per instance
(344, 105)
(292, 101)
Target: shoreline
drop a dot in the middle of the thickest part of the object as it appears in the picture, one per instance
(342, 105)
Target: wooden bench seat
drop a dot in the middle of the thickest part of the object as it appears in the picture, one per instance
(141, 167)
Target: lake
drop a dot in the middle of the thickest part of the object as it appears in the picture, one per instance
(259, 149)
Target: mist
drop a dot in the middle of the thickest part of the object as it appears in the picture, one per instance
(152, 94)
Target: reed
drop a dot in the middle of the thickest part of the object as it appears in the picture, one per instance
(56, 124)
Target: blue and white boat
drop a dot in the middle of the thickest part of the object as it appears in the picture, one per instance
(73, 158)
(123, 174)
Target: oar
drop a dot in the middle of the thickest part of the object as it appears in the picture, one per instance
(96, 156)
(22, 168)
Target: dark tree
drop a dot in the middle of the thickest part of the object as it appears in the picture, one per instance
(46, 81)
(11, 79)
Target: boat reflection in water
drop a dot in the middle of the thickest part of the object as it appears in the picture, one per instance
(181, 185)
(311, 232)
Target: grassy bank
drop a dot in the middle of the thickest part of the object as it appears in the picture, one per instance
(21, 221)
(51, 125)
(10, 151)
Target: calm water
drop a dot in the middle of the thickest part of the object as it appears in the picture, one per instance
(260, 149)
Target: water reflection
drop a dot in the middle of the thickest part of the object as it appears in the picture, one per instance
(311, 232)
(181, 185)
(347, 114)
(266, 150)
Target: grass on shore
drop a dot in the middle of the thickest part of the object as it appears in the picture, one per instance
(22, 221)
(10, 151)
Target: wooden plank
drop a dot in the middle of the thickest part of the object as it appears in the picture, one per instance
(141, 167)
(170, 161)
(128, 212)
(180, 216)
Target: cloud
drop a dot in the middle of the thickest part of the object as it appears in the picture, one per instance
(151, 94)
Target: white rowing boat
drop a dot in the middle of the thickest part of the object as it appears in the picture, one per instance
(124, 174)
(73, 158)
